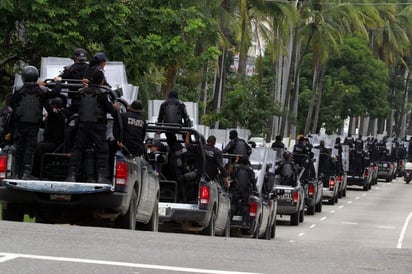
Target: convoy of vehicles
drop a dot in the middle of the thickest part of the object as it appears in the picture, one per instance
(145, 193)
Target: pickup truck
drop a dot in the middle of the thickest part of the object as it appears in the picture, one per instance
(207, 208)
(263, 164)
(312, 186)
(291, 199)
(130, 200)
(360, 173)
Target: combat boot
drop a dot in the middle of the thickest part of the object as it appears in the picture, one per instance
(27, 173)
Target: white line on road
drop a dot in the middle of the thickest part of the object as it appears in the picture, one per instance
(342, 206)
(332, 211)
(323, 218)
(8, 258)
(349, 202)
(301, 234)
(357, 198)
(312, 226)
(349, 223)
(405, 226)
(364, 194)
(148, 266)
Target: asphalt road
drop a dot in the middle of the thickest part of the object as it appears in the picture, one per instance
(366, 232)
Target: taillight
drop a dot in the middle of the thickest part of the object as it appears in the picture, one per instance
(311, 189)
(366, 173)
(331, 183)
(252, 209)
(295, 196)
(400, 163)
(373, 167)
(388, 167)
(340, 179)
(3, 166)
(121, 173)
(204, 194)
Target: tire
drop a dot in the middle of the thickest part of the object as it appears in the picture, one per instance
(388, 179)
(311, 210)
(211, 228)
(332, 201)
(153, 224)
(370, 186)
(340, 194)
(318, 206)
(344, 192)
(366, 187)
(273, 230)
(226, 231)
(336, 198)
(268, 233)
(128, 221)
(302, 216)
(12, 213)
(294, 218)
(256, 235)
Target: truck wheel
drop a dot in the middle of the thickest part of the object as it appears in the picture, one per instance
(153, 224)
(273, 230)
(311, 210)
(336, 198)
(128, 221)
(366, 187)
(294, 218)
(226, 231)
(318, 206)
(12, 213)
(344, 192)
(332, 201)
(302, 216)
(210, 229)
(256, 235)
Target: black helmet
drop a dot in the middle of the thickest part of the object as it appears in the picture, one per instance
(30, 74)
(287, 155)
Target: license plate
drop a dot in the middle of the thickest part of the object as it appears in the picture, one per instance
(162, 211)
(60, 197)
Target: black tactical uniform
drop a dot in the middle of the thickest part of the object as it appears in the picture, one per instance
(278, 143)
(94, 107)
(78, 68)
(244, 185)
(214, 160)
(287, 170)
(134, 129)
(27, 104)
(98, 62)
(236, 145)
(53, 135)
(173, 111)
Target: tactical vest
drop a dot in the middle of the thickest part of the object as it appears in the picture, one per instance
(172, 113)
(90, 110)
(287, 174)
(29, 109)
(240, 148)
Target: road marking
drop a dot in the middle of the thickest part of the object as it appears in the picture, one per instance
(364, 194)
(349, 202)
(342, 206)
(291, 241)
(113, 263)
(349, 223)
(301, 234)
(8, 258)
(357, 198)
(323, 218)
(312, 226)
(333, 211)
(405, 226)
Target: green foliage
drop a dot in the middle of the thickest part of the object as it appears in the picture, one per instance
(247, 104)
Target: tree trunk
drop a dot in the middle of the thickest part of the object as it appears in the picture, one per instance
(319, 98)
(170, 75)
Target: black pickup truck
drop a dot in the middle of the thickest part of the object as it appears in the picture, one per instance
(129, 200)
(206, 207)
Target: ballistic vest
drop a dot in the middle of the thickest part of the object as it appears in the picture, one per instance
(90, 110)
(172, 113)
(29, 109)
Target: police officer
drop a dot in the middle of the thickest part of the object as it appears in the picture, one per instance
(349, 141)
(287, 170)
(214, 161)
(54, 129)
(358, 143)
(94, 107)
(237, 145)
(278, 143)
(27, 104)
(78, 68)
(173, 111)
(134, 129)
(98, 62)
